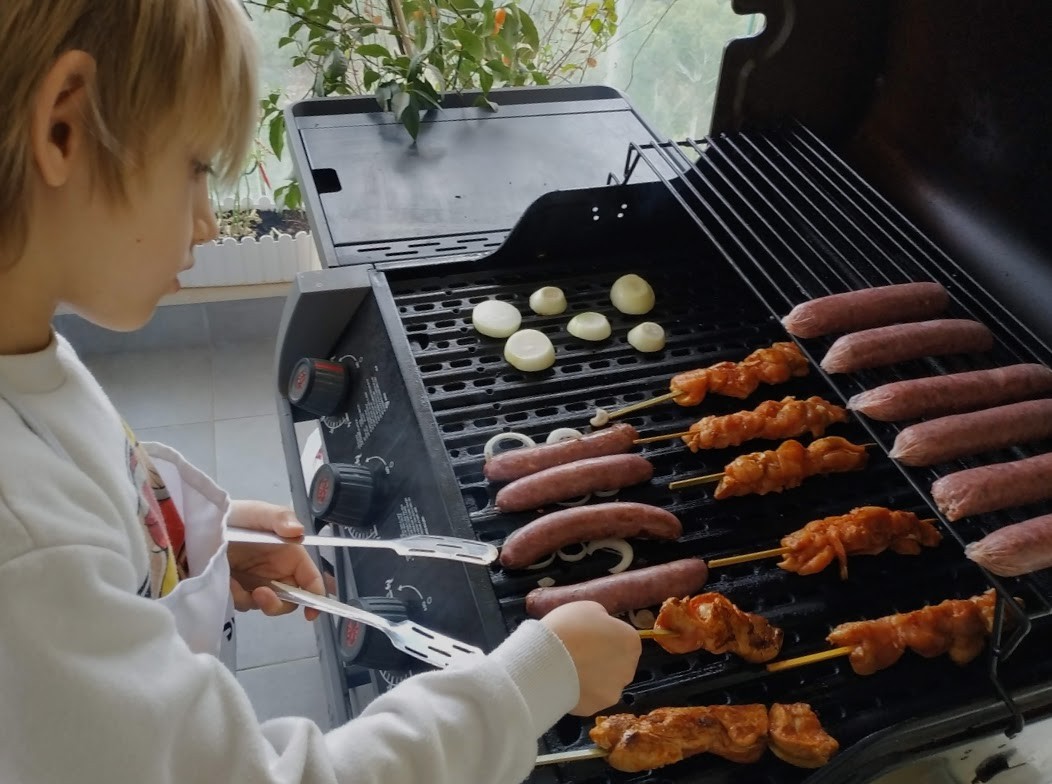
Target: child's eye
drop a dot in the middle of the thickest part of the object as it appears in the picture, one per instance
(202, 168)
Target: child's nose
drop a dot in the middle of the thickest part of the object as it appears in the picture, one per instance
(205, 227)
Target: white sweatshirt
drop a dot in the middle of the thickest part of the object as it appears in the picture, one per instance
(97, 685)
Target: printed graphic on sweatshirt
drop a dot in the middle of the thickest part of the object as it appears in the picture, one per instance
(165, 531)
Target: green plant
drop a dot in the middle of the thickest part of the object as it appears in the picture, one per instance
(410, 53)
(233, 217)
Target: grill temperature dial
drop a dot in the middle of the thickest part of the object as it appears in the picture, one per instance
(368, 647)
(319, 386)
(345, 494)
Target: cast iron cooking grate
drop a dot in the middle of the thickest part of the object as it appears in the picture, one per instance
(710, 315)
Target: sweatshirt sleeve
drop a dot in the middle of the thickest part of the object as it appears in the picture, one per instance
(97, 687)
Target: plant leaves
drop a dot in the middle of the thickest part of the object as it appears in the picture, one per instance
(277, 134)
(529, 30)
(485, 103)
(369, 78)
(373, 50)
(400, 103)
(485, 81)
(410, 119)
(472, 44)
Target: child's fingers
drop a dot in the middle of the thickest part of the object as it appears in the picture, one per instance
(267, 601)
(243, 601)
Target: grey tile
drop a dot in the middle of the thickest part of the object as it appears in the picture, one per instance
(262, 640)
(172, 327)
(244, 320)
(287, 689)
(243, 380)
(196, 442)
(157, 388)
(249, 460)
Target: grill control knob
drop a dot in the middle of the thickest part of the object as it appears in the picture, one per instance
(365, 646)
(344, 494)
(319, 386)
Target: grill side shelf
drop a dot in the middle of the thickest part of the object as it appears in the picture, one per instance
(797, 223)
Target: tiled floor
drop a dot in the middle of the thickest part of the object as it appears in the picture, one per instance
(215, 404)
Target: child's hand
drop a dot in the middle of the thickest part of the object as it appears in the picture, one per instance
(604, 650)
(256, 563)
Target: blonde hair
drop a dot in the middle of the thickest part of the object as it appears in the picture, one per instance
(159, 63)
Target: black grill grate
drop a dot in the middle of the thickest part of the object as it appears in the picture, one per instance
(813, 246)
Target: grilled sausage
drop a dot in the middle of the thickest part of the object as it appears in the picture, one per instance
(950, 437)
(620, 593)
(900, 342)
(547, 534)
(1015, 549)
(989, 488)
(574, 480)
(941, 395)
(867, 308)
(517, 463)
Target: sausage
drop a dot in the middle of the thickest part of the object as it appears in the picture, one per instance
(900, 342)
(517, 463)
(950, 437)
(620, 593)
(547, 534)
(1015, 549)
(573, 480)
(941, 395)
(993, 487)
(867, 308)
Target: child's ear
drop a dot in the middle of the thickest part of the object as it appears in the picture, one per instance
(61, 109)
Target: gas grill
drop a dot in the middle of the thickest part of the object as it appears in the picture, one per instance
(731, 231)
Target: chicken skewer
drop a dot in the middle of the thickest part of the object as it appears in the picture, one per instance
(711, 622)
(958, 627)
(783, 468)
(739, 733)
(775, 364)
(772, 419)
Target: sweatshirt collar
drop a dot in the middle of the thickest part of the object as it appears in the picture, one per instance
(39, 372)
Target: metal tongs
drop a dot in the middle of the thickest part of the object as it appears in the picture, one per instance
(410, 638)
(422, 546)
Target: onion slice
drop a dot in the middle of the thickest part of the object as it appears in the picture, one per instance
(632, 295)
(619, 546)
(496, 318)
(589, 326)
(529, 350)
(562, 434)
(548, 301)
(601, 418)
(489, 450)
(542, 564)
(573, 557)
(584, 499)
(647, 337)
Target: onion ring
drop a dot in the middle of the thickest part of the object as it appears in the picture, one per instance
(488, 450)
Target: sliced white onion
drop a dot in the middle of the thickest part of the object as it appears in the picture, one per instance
(548, 301)
(546, 582)
(496, 318)
(562, 434)
(647, 337)
(601, 418)
(491, 445)
(584, 499)
(529, 350)
(632, 295)
(619, 546)
(542, 564)
(606, 493)
(589, 326)
(642, 619)
(573, 557)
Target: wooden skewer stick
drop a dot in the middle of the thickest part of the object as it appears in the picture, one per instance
(643, 404)
(698, 480)
(666, 437)
(745, 558)
(649, 634)
(811, 658)
(571, 756)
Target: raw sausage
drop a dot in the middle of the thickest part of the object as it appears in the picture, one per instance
(867, 308)
(620, 593)
(517, 463)
(946, 438)
(1015, 549)
(940, 395)
(574, 480)
(547, 534)
(900, 342)
(989, 488)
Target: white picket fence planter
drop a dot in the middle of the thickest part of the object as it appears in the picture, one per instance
(231, 262)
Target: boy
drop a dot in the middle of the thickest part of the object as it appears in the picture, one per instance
(115, 584)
